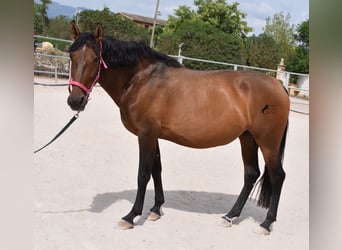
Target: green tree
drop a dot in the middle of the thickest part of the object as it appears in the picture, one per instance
(38, 19)
(299, 62)
(45, 7)
(203, 40)
(282, 31)
(224, 16)
(302, 35)
(43, 11)
(215, 31)
(182, 14)
(114, 25)
(262, 51)
(59, 27)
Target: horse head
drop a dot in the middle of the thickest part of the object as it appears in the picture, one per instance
(86, 61)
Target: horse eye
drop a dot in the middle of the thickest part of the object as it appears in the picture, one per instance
(96, 59)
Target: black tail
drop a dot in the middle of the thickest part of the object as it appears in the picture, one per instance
(264, 181)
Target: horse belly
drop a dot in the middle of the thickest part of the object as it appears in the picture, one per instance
(198, 141)
(203, 132)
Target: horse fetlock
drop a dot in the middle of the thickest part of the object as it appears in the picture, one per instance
(155, 209)
(267, 224)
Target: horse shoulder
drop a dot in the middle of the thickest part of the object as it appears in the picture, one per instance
(139, 104)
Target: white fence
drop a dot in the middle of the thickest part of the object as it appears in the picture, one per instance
(52, 65)
(59, 66)
(302, 88)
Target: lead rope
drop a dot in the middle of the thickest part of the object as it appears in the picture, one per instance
(71, 82)
(60, 132)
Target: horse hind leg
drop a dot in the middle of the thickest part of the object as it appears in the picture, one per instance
(249, 150)
(271, 186)
(158, 187)
(272, 179)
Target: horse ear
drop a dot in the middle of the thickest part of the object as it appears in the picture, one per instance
(74, 31)
(98, 32)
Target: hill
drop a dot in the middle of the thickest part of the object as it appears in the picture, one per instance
(56, 9)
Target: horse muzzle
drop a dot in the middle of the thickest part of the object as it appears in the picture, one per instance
(77, 103)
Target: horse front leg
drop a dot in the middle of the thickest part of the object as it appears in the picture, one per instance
(158, 187)
(147, 149)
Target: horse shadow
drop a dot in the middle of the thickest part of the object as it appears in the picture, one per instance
(189, 201)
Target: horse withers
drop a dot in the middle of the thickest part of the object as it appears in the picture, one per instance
(160, 99)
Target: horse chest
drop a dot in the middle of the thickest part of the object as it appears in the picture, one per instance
(128, 123)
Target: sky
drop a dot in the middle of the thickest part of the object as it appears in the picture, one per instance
(257, 10)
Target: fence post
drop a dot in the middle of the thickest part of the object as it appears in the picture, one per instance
(281, 74)
(286, 80)
(180, 58)
(56, 69)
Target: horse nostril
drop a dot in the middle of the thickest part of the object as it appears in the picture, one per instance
(70, 101)
(82, 101)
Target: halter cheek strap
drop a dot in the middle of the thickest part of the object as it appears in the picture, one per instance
(81, 85)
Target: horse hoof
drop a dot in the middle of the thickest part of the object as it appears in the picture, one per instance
(124, 225)
(153, 216)
(262, 231)
(227, 222)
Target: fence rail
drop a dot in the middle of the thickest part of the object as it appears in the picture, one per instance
(284, 75)
(59, 66)
(51, 65)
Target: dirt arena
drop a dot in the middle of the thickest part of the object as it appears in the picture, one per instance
(86, 181)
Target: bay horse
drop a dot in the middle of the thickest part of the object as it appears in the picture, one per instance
(160, 99)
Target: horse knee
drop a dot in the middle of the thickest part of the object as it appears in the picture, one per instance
(156, 172)
(143, 178)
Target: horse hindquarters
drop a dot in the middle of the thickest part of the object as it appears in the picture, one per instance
(269, 122)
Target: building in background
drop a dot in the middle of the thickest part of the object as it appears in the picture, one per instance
(143, 21)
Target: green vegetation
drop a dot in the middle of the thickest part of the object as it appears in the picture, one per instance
(300, 58)
(215, 31)
(114, 24)
(263, 51)
(202, 40)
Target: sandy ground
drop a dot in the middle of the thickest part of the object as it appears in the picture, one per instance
(86, 181)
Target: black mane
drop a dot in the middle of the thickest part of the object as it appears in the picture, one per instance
(122, 53)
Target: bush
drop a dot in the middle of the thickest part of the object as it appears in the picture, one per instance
(205, 41)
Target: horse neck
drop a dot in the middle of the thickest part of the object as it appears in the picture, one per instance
(115, 80)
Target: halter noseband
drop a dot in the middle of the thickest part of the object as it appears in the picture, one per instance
(81, 85)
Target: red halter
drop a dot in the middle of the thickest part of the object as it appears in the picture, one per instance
(81, 85)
